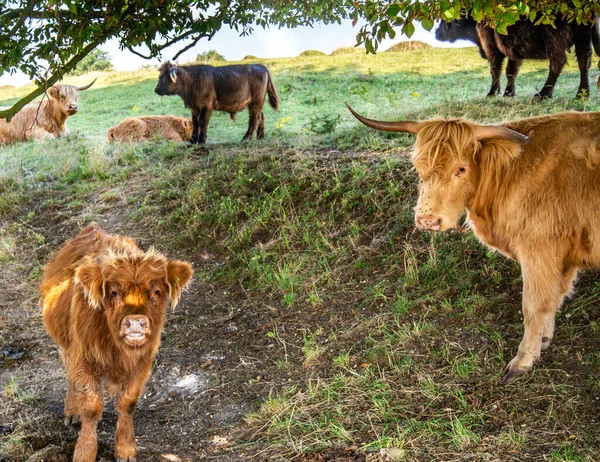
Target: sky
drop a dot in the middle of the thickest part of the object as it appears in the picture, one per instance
(268, 43)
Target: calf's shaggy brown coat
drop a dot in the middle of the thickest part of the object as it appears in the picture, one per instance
(144, 128)
(104, 302)
(531, 190)
(45, 119)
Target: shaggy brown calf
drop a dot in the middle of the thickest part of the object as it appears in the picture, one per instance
(524, 40)
(231, 89)
(45, 119)
(104, 302)
(144, 128)
(531, 191)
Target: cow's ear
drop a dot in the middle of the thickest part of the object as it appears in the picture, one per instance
(53, 92)
(179, 274)
(89, 276)
(173, 74)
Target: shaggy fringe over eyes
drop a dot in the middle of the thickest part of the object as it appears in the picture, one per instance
(441, 142)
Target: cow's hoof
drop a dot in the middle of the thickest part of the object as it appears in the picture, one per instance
(541, 96)
(74, 419)
(509, 94)
(512, 373)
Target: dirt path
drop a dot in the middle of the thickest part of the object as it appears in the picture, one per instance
(212, 352)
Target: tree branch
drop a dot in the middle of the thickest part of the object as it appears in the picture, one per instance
(195, 40)
(10, 112)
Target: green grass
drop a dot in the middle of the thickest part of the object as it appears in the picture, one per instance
(395, 338)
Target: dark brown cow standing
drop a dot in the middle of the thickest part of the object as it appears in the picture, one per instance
(524, 40)
(104, 302)
(231, 89)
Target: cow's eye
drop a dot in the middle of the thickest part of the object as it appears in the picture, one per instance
(114, 293)
(157, 293)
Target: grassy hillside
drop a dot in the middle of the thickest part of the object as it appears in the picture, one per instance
(321, 323)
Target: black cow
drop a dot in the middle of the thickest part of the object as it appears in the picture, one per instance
(524, 40)
(227, 88)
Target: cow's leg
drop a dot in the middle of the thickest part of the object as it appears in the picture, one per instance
(253, 122)
(195, 126)
(72, 414)
(583, 50)
(260, 131)
(203, 120)
(558, 59)
(496, 61)
(90, 403)
(125, 448)
(512, 70)
(544, 289)
(568, 278)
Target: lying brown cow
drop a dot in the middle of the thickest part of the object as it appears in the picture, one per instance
(144, 128)
(104, 302)
(45, 119)
(530, 189)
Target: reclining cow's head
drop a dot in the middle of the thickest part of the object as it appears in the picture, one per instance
(134, 292)
(65, 97)
(448, 158)
(167, 79)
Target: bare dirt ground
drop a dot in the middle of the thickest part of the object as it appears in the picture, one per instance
(213, 366)
(217, 362)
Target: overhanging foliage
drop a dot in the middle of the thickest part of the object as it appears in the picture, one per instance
(46, 39)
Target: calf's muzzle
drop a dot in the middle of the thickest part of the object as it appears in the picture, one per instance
(134, 329)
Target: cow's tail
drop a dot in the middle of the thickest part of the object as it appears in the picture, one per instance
(272, 91)
(596, 36)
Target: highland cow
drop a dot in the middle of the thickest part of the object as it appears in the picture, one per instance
(231, 89)
(147, 127)
(43, 119)
(104, 301)
(524, 40)
(530, 189)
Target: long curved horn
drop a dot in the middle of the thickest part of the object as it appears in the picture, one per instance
(483, 132)
(87, 86)
(404, 126)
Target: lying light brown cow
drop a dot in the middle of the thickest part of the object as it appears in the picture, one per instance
(45, 119)
(104, 301)
(143, 128)
(531, 189)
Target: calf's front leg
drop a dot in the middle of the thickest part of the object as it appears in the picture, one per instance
(90, 403)
(544, 288)
(125, 447)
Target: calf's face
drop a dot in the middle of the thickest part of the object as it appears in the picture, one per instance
(134, 294)
(167, 80)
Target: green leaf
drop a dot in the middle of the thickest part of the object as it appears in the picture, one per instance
(408, 29)
(393, 11)
(427, 23)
